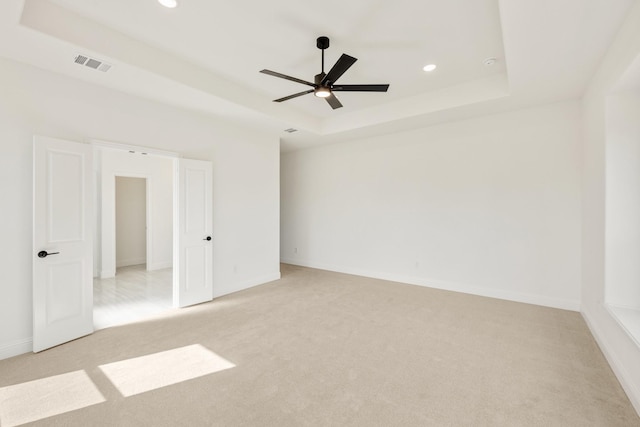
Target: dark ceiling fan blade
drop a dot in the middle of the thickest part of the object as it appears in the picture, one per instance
(360, 88)
(295, 95)
(338, 69)
(284, 76)
(333, 101)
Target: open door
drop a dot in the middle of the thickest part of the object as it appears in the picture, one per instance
(62, 242)
(193, 222)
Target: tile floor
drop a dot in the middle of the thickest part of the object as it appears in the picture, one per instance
(132, 295)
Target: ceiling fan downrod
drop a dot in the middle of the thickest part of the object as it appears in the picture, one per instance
(322, 43)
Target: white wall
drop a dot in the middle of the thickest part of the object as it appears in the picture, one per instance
(245, 190)
(489, 206)
(622, 269)
(622, 353)
(158, 172)
(131, 221)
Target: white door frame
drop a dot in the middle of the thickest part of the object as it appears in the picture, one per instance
(148, 222)
(108, 246)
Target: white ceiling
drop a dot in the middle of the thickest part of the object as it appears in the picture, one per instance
(206, 55)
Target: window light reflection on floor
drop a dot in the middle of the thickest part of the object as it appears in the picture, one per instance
(35, 400)
(145, 373)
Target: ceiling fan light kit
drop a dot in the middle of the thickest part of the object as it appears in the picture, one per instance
(325, 84)
(168, 3)
(322, 92)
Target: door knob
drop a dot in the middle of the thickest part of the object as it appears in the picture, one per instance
(208, 238)
(44, 254)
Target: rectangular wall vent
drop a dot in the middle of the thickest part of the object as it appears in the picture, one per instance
(96, 64)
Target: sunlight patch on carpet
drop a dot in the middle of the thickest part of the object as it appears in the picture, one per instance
(146, 373)
(35, 400)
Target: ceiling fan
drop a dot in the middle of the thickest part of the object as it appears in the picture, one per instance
(325, 84)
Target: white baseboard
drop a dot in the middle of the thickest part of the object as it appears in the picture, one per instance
(159, 265)
(130, 261)
(16, 348)
(573, 305)
(247, 284)
(614, 360)
(107, 274)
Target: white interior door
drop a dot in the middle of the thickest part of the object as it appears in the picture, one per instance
(193, 257)
(62, 242)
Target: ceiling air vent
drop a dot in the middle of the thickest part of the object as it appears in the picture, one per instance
(96, 64)
(81, 59)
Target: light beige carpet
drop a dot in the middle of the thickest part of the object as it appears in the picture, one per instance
(326, 349)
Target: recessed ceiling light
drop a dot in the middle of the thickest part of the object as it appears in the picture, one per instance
(168, 3)
(429, 67)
